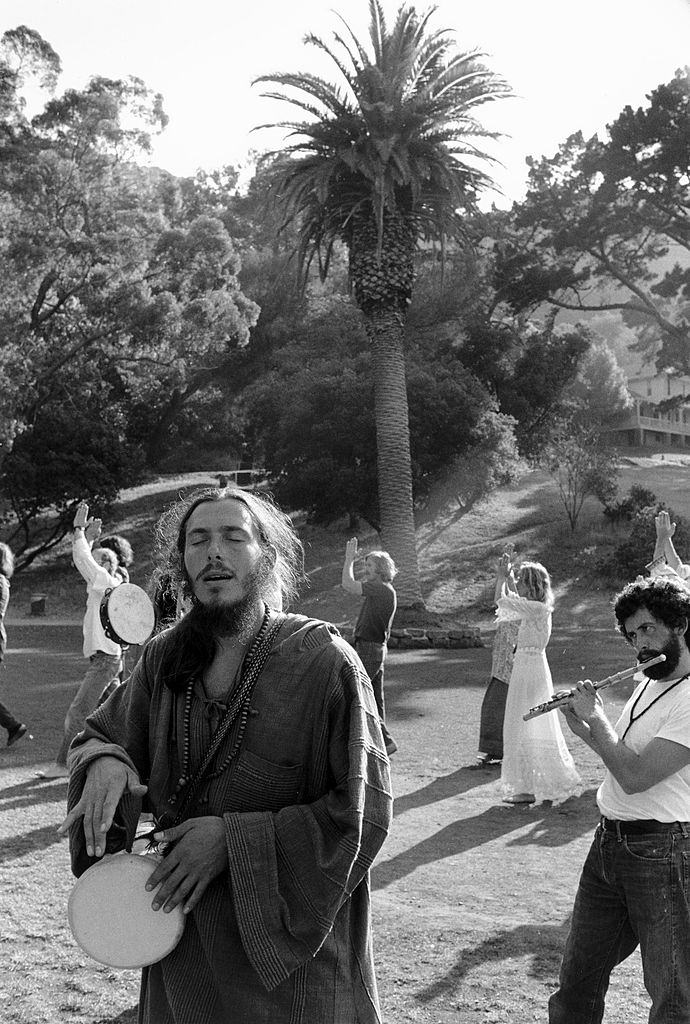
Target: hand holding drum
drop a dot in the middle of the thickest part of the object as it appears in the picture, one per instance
(562, 699)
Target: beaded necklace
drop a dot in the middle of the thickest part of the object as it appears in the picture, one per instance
(239, 704)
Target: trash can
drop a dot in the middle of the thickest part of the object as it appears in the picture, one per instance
(38, 604)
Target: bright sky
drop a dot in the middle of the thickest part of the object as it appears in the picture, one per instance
(572, 65)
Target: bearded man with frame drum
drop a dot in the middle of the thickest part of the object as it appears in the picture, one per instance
(635, 886)
(256, 738)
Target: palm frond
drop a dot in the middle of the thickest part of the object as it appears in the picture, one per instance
(399, 138)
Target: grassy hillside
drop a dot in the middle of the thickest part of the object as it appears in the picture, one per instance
(457, 552)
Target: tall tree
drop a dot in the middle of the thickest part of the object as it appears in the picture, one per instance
(605, 225)
(382, 163)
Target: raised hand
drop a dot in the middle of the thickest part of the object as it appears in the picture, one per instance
(93, 530)
(351, 550)
(81, 516)
(665, 529)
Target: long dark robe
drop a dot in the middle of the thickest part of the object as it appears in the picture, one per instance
(284, 937)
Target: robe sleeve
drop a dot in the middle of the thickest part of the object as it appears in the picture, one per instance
(118, 728)
(292, 871)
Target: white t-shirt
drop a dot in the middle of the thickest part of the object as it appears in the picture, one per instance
(668, 719)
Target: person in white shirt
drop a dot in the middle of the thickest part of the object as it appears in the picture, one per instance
(635, 884)
(99, 569)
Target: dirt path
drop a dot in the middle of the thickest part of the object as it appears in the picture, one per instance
(471, 897)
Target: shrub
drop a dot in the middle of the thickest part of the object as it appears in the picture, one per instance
(638, 498)
(628, 560)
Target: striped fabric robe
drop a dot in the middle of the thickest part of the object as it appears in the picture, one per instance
(284, 936)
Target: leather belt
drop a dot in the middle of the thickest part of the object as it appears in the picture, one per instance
(640, 826)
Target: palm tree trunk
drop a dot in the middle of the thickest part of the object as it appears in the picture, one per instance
(385, 331)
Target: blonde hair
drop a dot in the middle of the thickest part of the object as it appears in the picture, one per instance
(384, 566)
(537, 583)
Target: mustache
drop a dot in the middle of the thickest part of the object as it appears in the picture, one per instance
(213, 570)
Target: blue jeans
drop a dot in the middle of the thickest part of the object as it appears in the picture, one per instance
(634, 890)
(373, 657)
(102, 676)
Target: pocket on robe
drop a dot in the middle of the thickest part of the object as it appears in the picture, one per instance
(261, 785)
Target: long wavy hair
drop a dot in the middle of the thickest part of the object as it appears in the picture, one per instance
(121, 546)
(193, 649)
(537, 583)
(665, 599)
(6, 561)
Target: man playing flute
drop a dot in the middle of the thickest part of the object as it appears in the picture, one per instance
(635, 885)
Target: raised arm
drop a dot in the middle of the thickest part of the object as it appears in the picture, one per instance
(665, 530)
(348, 581)
(504, 572)
(86, 531)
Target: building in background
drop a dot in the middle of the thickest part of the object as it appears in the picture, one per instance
(661, 413)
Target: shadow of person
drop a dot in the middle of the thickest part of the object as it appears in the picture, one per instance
(552, 826)
(544, 942)
(14, 847)
(460, 781)
(33, 791)
(126, 1017)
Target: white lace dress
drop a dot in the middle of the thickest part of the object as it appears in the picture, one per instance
(535, 756)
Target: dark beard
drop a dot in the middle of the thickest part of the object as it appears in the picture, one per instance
(671, 649)
(221, 618)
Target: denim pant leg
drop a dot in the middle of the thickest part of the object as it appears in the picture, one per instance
(373, 657)
(655, 871)
(601, 936)
(103, 669)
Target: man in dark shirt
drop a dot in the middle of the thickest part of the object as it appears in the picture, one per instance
(373, 626)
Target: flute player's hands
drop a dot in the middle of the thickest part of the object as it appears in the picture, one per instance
(584, 705)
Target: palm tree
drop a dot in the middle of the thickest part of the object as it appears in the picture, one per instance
(381, 164)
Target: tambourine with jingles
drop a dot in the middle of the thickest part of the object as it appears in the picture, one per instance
(127, 614)
(111, 916)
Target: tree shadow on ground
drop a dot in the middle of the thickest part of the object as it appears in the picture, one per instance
(544, 942)
(33, 791)
(552, 826)
(460, 781)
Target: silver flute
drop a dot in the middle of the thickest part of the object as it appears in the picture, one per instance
(558, 702)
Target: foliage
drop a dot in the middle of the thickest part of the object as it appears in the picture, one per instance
(399, 138)
(604, 220)
(384, 159)
(540, 372)
(63, 457)
(319, 446)
(121, 299)
(598, 395)
(629, 558)
(581, 466)
(637, 499)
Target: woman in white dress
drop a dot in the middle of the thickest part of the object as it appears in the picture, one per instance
(537, 764)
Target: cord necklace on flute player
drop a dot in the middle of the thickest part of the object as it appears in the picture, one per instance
(562, 699)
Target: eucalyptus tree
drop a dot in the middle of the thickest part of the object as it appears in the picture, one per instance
(383, 160)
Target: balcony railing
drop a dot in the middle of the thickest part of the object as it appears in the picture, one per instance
(663, 425)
